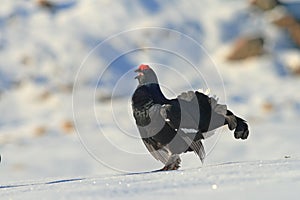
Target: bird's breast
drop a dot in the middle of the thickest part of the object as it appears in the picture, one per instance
(149, 121)
(141, 113)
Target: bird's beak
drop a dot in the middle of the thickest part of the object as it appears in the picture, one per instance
(139, 73)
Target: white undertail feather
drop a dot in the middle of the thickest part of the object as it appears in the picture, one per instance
(208, 93)
(189, 130)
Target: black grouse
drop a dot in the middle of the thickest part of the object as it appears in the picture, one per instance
(169, 127)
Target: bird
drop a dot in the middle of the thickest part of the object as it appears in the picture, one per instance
(170, 127)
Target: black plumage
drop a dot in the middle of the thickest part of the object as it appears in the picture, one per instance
(169, 127)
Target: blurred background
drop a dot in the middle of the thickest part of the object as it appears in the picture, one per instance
(66, 79)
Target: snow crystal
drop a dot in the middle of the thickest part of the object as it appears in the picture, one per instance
(214, 187)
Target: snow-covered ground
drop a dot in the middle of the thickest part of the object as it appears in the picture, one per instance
(277, 179)
(63, 136)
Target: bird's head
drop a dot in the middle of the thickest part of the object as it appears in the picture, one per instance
(145, 75)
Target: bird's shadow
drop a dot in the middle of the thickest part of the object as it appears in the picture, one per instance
(45, 183)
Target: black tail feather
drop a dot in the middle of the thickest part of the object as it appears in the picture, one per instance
(230, 120)
(237, 123)
(241, 130)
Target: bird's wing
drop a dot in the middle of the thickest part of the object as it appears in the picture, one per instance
(212, 113)
(183, 112)
(162, 154)
(195, 110)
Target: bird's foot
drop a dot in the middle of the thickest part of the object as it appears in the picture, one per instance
(169, 168)
(173, 166)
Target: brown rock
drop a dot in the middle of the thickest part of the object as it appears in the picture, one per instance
(297, 71)
(104, 98)
(264, 4)
(285, 21)
(267, 107)
(39, 131)
(295, 33)
(26, 60)
(66, 88)
(67, 126)
(247, 47)
(44, 96)
(292, 25)
(46, 4)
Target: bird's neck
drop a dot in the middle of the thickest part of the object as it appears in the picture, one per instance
(157, 94)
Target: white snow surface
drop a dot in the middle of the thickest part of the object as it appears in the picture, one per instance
(241, 180)
(61, 67)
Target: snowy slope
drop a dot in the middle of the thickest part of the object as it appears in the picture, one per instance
(58, 123)
(275, 179)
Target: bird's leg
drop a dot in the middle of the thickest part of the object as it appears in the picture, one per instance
(172, 164)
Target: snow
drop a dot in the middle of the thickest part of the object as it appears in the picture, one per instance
(76, 64)
(242, 180)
